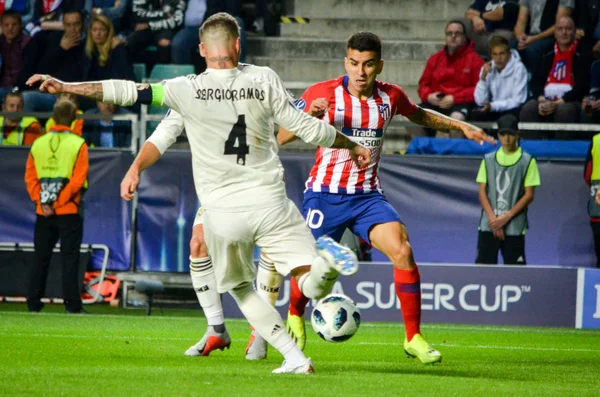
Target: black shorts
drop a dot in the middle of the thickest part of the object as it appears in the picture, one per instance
(512, 248)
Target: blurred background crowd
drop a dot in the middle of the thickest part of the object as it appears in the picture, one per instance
(534, 59)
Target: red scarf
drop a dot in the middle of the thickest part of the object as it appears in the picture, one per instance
(562, 67)
(50, 5)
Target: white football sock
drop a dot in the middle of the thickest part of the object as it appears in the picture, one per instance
(267, 322)
(319, 281)
(205, 285)
(268, 281)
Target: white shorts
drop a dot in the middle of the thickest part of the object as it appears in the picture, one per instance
(279, 232)
(199, 219)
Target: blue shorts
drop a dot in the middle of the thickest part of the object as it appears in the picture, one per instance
(330, 214)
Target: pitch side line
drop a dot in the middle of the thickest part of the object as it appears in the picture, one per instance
(444, 345)
(242, 341)
(450, 327)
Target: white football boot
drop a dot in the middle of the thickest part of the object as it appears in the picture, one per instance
(305, 368)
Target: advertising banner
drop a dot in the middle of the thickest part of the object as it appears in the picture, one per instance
(167, 207)
(588, 299)
(436, 197)
(107, 218)
(459, 294)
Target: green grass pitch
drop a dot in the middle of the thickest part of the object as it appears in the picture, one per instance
(117, 352)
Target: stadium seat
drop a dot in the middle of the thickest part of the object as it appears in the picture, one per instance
(161, 72)
(169, 71)
(139, 69)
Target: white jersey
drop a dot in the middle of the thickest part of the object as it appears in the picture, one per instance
(171, 126)
(228, 117)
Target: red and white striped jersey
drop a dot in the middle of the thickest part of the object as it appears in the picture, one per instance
(363, 121)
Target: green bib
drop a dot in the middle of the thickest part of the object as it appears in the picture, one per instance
(504, 189)
(55, 155)
(593, 208)
(16, 137)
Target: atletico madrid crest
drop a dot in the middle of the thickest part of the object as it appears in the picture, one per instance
(384, 111)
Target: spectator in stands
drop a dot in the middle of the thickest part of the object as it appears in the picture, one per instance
(186, 41)
(76, 126)
(109, 132)
(534, 30)
(56, 178)
(12, 45)
(24, 8)
(591, 103)
(592, 178)
(507, 179)
(18, 130)
(112, 9)
(560, 84)
(448, 82)
(48, 14)
(587, 21)
(488, 18)
(105, 60)
(155, 23)
(502, 86)
(60, 54)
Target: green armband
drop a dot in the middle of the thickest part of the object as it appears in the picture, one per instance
(158, 94)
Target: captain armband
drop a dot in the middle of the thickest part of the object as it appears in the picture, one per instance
(126, 93)
(151, 94)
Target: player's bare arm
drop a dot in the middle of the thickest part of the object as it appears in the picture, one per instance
(49, 84)
(118, 92)
(318, 107)
(148, 155)
(360, 154)
(438, 121)
(284, 136)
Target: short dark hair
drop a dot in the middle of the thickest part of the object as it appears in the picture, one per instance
(464, 28)
(497, 41)
(221, 20)
(364, 41)
(74, 11)
(13, 93)
(64, 112)
(11, 14)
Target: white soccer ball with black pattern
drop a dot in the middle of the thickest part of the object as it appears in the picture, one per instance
(335, 318)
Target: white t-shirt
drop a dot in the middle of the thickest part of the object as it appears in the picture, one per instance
(228, 118)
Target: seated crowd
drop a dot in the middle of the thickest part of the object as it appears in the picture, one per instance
(533, 59)
(76, 40)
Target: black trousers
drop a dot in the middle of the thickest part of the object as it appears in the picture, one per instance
(596, 232)
(512, 248)
(69, 229)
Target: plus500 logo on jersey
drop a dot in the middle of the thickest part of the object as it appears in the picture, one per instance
(363, 132)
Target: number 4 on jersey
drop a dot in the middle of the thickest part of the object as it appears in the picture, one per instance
(236, 142)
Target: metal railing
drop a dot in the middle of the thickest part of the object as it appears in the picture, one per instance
(132, 117)
(29, 247)
(139, 123)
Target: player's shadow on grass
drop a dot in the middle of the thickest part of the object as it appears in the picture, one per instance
(441, 371)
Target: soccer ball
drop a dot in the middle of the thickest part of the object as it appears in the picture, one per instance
(335, 318)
